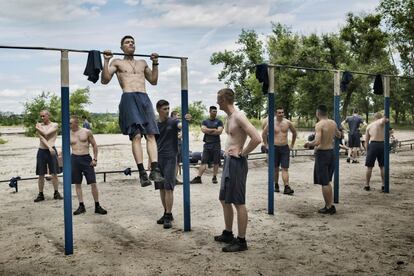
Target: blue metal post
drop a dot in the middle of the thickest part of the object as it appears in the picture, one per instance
(67, 181)
(185, 146)
(271, 141)
(386, 82)
(337, 99)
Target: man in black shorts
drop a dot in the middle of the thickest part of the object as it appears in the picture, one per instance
(374, 142)
(354, 136)
(83, 164)
(212, 129)
(167, 143)
(325, 131)
(47, 154)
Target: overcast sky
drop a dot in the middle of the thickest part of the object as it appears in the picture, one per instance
(195, 29)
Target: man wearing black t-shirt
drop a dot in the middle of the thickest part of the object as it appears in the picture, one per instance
(167, 144)
(354, 136)
(212, 129)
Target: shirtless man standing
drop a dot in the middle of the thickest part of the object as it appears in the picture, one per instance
(47, 154)
(136, 114)
(374, 142)
(282, 149)
(83, 164)
(233, 180)
(325, 132)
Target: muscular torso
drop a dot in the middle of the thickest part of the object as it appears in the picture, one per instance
(236, 136)
(281, 132)
(51, 138)
(376, 131)
(328, 130)
(131, 74)
(79, 141)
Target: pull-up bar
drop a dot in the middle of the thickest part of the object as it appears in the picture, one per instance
(67, 181)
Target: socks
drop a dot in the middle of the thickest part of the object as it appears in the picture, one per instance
(154, 165)
(227, 233)
(141, 168)
(96, 204)
(81, 204)
(242, 240)
(41, 193)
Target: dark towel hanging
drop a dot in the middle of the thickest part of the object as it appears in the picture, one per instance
(378, 87)
(263, 77)
(93, 66)
(346, 79)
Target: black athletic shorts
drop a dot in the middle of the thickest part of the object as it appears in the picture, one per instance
(81, 165)
(45, 160)
(233, 180)
(167, 166)
(211, 153)
(354, 140)
(375, 152)
(282, 156)
(324, 167)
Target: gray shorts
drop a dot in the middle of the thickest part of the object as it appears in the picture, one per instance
(233, 180)
(167, 166)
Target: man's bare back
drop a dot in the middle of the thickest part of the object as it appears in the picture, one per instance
(326, 130)
(375, 130)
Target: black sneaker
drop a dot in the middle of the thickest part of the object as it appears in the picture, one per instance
(226, 237)
(57, 195)
(100, 210)
(328, 211)
(167, 221)
(288, 190)
(367, 188)
(155, 175)
(81, 209)
(235, 246)
(143, 178)
(214, 180)
(161, 219)
(277, 189)
(196, 180)
(348, 160)
(40, 197)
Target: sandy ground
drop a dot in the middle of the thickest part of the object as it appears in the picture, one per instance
(371, 234)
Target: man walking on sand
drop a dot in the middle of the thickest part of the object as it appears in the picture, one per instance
(325, 132)
(282, 148)
(47, 154)
(354, 137)
(233, 180)
(83, 164)
(136, 114)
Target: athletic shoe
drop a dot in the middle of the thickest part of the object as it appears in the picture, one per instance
(156, 176)
(277, 190)
(161, 219)
(56, 195)
(235, 246)
(288, 190)
(328, 211)
(80, 210)
(214, 179)
(367, 188)
(143, 178)
(348, 160)
(40, 197)
(167, 221)
(226, 237)
(100, 210)
(196, 180)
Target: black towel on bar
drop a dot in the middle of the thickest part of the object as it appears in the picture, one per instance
(263, 76)
(93, 66)
(378, 87)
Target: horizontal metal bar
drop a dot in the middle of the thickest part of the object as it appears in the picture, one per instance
(79, 51)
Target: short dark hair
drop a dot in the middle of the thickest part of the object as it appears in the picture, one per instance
(355, 110)
(125, 37)
(280, 107)
(162, 103)
(322, 109)
(213, 108)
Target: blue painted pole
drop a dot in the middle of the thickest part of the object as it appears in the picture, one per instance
(386, 82)
(185, 146)
(67, 178)
(337, 99)
(271, 142)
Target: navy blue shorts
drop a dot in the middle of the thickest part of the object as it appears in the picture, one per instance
(282, 156)
(136, 115)
(167, 166)
(45, 160)
(324, 167)
(211, 153)
(233, 180)
(375, 151)
(354, 140)
(81, 165)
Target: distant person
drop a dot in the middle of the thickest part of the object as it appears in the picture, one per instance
(167, 143)
(325, 132)
(233, 179)
(282, 148)
(374, 142)
(354, 137)
(136, 114)
(83, 164)
(86, 123)
(47, 155)
(212, 129)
